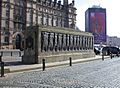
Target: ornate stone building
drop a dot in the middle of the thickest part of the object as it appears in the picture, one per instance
(13, 23)
(51, 13)
(17, 14)
(45, 29)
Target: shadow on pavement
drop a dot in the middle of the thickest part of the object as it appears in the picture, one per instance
(13, 63)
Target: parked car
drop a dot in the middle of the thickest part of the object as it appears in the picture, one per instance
(108, 50)
(97, 52)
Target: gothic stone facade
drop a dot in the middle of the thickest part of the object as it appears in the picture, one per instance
(17, 14)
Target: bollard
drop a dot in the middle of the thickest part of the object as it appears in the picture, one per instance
(0, 58)
(102, 57)
(70, 61)
(43, 61)
(111, 55)
(2, 69)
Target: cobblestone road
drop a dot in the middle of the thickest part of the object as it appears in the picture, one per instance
(94, 74)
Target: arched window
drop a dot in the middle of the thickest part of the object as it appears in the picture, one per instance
(18, 41)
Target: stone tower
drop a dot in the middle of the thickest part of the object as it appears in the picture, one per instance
(66, 18)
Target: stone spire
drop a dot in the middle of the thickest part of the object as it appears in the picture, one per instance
(65, 2)
(73, 2)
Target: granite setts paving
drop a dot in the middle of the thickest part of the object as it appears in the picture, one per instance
(93, 74)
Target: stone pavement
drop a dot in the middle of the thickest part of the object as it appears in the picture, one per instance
(19, 67)
(90, 74)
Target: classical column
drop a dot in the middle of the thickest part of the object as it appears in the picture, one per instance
(78, 42)
(83, 45)
(58, 38)
(67, 42)
(91, 44)
(74, 39)
(52, 20)
(64, 41)
(42, 41)
(74, 42)
(60, 42)
(55, 41)
(71, 42)
(47, 20)
(88, 42)
(51, 41)
(42, 19)
(45, 41)
(48, 41)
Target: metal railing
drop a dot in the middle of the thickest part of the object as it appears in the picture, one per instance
(10, 52)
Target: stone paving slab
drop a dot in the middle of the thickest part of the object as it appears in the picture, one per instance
(19, 68)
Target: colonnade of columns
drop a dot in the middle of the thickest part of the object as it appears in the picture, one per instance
(51, 41)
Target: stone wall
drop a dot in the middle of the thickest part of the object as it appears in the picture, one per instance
(59, 44)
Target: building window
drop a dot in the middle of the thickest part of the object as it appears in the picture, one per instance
(6, 40)
(7, 24)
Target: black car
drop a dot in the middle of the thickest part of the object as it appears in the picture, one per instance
(97, 52)
(108, 50)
